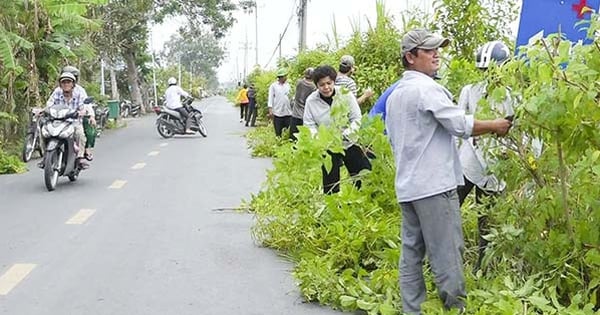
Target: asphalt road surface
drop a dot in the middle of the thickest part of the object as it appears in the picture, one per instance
(139, 232)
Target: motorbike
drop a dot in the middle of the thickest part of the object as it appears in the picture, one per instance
(58, 133)
(169, 122)
(101, 115)
(33, 138)
(129, 109)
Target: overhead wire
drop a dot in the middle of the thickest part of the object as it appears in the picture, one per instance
(283, 34)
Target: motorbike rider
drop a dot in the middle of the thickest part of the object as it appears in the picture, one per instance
(68, 95)
(90, 121)
(173, 101)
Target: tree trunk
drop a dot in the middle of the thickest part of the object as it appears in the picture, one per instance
(114, 90)
(132, 77)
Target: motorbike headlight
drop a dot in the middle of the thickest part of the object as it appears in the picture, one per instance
(67, 132)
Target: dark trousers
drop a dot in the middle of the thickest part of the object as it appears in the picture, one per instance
(355, 161)
(251, 113)
(294, 123)
(185, 117)
(280, 122)
(482, 221)
(243, 110)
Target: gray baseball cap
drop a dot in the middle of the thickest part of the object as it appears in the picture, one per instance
(347, 61)
(424, 39)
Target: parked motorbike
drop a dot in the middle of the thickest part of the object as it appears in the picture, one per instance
(169, 122)
(129, 109)
(101, 115)
(61, 150)
(33, 138)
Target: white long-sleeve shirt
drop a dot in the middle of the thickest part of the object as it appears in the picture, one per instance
(279, 99)
(317, 112)
(472, 157)
(173, 96)
(422, 122)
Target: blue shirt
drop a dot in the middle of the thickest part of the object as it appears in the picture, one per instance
(421, 123)
(379, 107)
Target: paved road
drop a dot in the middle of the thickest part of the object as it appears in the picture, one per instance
(151, 244)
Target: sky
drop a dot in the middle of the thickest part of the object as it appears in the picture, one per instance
(273, 15)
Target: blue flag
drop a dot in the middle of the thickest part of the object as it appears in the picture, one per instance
(540, 18)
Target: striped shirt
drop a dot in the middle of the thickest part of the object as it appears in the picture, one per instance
(345, 81)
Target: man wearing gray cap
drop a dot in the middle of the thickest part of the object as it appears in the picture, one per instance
(343, 79)
(422, 122)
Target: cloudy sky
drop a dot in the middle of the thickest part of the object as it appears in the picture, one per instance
(273, 15)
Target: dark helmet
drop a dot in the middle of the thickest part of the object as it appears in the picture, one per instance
(495, 51)
(72, 70)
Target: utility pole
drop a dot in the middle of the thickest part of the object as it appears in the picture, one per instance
(280, 39)
(246, 55)
(302, 10)
(102, 89)
(256, 31)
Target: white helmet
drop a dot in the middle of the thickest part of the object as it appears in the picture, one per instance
(172, 81)
(495, 51)
(66, 76)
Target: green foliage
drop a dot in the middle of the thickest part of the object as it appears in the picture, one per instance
(470, 23)
(263, 142)
(11, 164)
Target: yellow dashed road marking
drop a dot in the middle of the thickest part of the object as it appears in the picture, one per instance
(164, 144)
(154, 153)
(138, 166)
(118, 184)
(14, 276)
(81, 216)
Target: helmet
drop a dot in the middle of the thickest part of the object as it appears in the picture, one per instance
(492, 51)
(282, 72)
(172, 81)
(72, 70)
(66, 76)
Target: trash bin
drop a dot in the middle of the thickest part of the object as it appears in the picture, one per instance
(113, 108)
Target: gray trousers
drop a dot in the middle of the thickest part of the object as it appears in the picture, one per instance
(432, 225)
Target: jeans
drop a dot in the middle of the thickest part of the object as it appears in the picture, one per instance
(355, 161)
(185, 116)
(432, 225)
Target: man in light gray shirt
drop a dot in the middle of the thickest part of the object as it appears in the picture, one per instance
(422, 122)
(279, 102)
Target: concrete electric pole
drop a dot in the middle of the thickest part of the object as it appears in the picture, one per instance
(302, 10)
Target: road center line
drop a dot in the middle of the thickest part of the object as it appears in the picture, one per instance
(154, 153)
(11, 278)
(81, 216)
(117, 184)
(138, 166)
(164, 144)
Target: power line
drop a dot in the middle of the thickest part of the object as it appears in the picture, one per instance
(283, 34)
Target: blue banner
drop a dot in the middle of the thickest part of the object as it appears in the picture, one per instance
(540, 18)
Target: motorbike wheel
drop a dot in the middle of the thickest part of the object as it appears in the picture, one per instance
(201, 127)
(29, 147)
(164, 131)
(52, 162)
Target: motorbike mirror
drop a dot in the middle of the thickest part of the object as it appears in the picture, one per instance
(88, 100)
